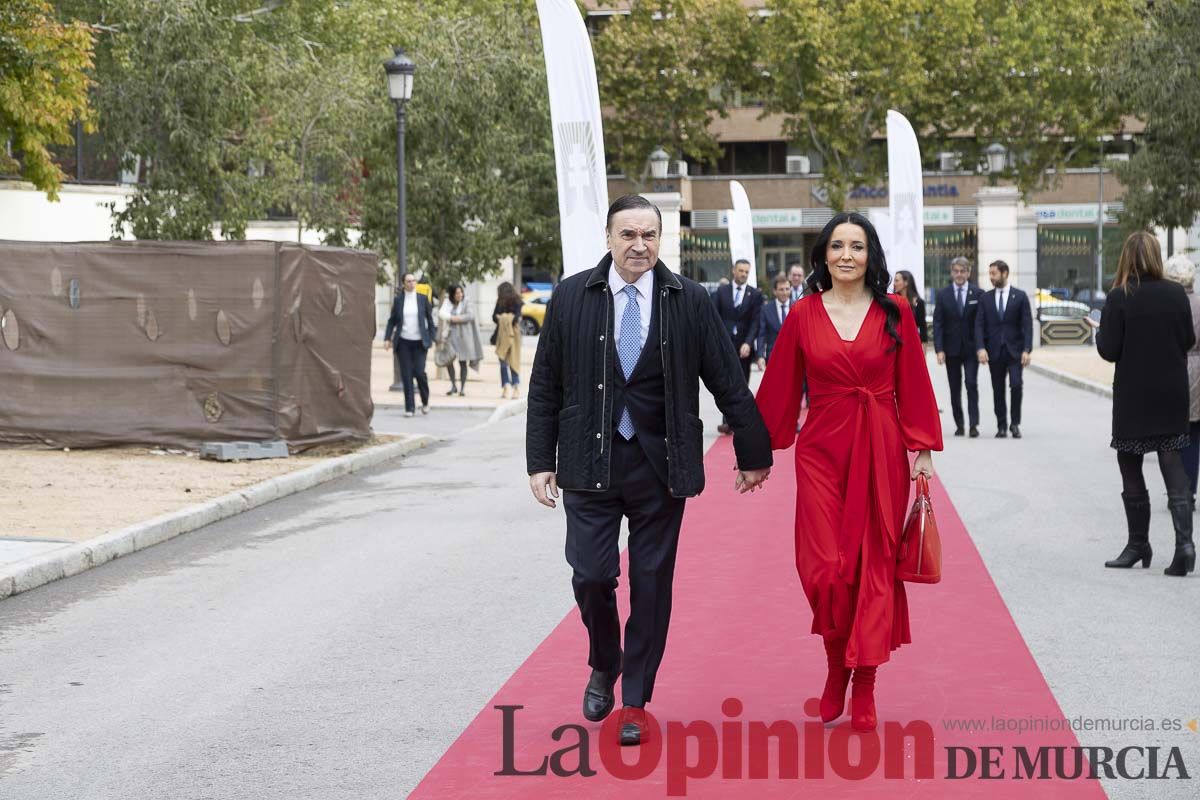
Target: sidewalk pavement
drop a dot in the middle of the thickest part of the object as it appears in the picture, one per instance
(483, 386)
(1079, 366)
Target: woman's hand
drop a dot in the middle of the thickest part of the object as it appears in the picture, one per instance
(923, 465)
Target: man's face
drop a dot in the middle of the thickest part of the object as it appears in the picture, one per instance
(633, 239)
(959, 274)
(998, 277)
(741, 273)
(410, 283)
(796, 276)
(782, 292)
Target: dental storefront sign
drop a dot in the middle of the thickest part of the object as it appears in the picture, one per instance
(1071, 213)
(792, 217)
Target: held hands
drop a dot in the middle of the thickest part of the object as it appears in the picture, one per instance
(923, 465)
(750, 479)
(982, 355)
(544, 486)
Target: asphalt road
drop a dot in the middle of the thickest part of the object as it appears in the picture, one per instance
(334, 643)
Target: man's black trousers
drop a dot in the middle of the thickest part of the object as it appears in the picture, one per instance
(593, 528)
(1002, 367)
(955, 367)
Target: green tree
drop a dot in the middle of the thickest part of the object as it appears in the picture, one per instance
(966, 73)
(666, 70)
(1156, 76)
(43, 88)
(480, 160)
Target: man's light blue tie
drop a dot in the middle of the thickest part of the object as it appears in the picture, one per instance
(629, 347)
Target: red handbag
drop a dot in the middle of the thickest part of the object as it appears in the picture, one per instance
(919, 559)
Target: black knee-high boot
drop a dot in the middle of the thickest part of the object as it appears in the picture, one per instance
(1185, 550)
(1137, 513)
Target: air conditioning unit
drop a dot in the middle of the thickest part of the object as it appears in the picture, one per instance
(798, 165)
(679, 168)
(949, 162)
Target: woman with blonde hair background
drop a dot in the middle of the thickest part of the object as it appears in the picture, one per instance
(507, 338)
(1146, 329)
(1180, 269)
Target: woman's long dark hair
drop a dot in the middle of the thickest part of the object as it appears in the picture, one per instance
(877, 277)
(506, 298)
(910, 286)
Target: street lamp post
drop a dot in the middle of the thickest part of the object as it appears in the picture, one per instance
(1100, 221)
(400, 71)
(997, 156)
(658, 164)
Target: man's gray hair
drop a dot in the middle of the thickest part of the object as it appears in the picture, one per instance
(961, 261)
(1180, 269)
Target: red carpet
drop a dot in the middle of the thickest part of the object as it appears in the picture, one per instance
(740, 630)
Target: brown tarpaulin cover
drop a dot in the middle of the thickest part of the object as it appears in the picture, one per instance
(178, 343)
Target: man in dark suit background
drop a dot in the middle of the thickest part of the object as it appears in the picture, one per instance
(796, 280)
(954, 311)
(738, 305)
(771, 318)
(1004, 336)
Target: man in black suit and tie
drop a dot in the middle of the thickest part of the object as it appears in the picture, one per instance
(954, 341)
(738, 305)
(1004, 336)
(796, 279)
(771, 319)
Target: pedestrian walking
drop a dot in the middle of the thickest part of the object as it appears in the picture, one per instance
(1146, 328)
(612, 422)
(771, 319)
(1180, 269)
(409, 335)
(458, 333)
(904, 286)
(871, 403)
(507, 338)
(954, 310)
(1004, 340)
(738, 305)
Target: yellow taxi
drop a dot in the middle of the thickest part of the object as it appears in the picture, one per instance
(533, 312)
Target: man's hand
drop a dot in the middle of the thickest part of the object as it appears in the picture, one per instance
(744, 351)
(387, 344)
(545, 487)
(941, 358)
(750, 479)
(762, 363)
(981, 354)
(1024, 359)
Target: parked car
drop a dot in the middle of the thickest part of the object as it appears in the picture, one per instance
(1051, 307)
(533, 312)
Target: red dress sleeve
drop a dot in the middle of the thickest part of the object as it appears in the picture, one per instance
(782, 386)
(920, 426)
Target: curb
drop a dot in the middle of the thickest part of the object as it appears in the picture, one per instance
(509, 409)
(29, 573)
(1072, 380)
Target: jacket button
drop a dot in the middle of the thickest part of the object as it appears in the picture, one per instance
(599, 385)
(597, 436)
(602, 337)
(597, 486)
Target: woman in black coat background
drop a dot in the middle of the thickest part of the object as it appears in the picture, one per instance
(1146, 329)
(904, 285)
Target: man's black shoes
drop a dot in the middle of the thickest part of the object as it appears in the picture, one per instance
(958, 430)
(1016, 430)
(598, 695)
(1002, 434)
(974, 432)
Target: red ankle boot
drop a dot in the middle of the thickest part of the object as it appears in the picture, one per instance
(862, 700)
(833, 698)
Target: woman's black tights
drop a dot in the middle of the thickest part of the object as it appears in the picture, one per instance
(1170, 462)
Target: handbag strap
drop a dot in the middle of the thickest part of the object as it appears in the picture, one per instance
(922, 485)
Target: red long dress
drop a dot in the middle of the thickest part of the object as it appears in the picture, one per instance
(868, 406)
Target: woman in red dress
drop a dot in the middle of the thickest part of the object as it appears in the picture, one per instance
(870, 404)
